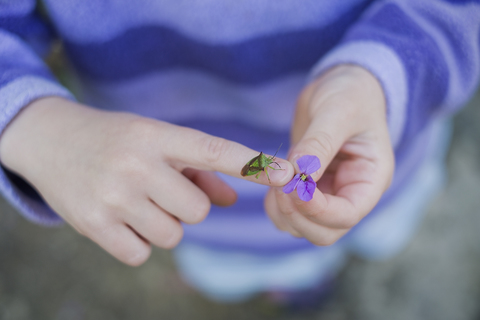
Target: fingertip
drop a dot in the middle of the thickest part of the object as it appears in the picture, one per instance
(200, 210)
(228, 198)
(174, 239)
(279, 176)
(124, 243)
(140, 256)
(217, 190)
(282, 177)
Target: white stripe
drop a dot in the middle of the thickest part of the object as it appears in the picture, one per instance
(236, 276)
(212, 21)
(20, 92)
(466, 25)
(16, 7)
(188, 95)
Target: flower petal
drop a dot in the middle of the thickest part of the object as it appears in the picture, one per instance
(289, 187)
(305, 189)
(308, 164)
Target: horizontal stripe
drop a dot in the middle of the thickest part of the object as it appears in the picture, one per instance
(20, 17)
(16, 8)
(242, 230)
(236, 276)
(27, 27)
(464, 29)
(210, 21)
(461, 2)
(180, 96)
(154, 48)
(425, 66)
(257, 138)
(18, 60)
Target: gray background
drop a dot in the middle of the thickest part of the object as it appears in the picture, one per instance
(58, 274)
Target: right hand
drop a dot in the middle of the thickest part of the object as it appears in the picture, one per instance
(123, 180)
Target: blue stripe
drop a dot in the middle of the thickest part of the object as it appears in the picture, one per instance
(247, 209)
(252, 137)
(426, 68)
(27, 26)
(148, 49)
(10, 73)
(463, 2)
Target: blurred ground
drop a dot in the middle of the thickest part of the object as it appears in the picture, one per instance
(57, 274)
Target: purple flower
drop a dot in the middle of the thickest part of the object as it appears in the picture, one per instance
(302, 181)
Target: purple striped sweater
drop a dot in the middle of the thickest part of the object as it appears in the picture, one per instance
(212, 64)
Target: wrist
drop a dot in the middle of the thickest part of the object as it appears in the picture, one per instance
(30, 136)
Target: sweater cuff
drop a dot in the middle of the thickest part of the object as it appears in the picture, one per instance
(386, 66)
(14, 96)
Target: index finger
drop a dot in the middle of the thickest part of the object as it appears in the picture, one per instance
(202, 151)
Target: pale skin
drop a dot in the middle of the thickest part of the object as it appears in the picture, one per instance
(126, 181)
(340, 118)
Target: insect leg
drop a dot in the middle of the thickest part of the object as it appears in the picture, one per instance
(276, 168)
(267, 173)
(277, 165)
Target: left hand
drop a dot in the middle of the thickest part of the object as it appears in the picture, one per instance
(340, 118)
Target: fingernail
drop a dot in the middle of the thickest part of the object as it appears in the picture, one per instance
(281, 175)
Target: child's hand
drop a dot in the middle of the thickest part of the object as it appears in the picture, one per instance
(123, 180)
(340, 118)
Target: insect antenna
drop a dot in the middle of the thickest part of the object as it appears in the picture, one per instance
(277, 152)
(273, 157)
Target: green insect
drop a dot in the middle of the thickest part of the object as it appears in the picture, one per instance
(260, 163)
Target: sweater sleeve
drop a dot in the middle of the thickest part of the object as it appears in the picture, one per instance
(424, 53)
(23, 78)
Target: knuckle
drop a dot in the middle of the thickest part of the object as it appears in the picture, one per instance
(313, 215)
(215, 149)
(287, 213)
(91, 224)
(141, 128)
(322, 144)
(127, 163)
(111, 198)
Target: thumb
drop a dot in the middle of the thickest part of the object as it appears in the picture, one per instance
(322, 139)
